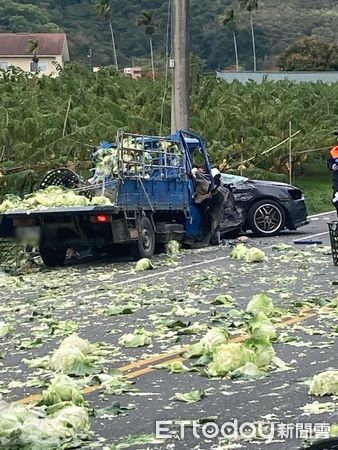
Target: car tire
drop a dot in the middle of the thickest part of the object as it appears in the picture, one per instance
(266, 218)
(52, 257)
(144, 247)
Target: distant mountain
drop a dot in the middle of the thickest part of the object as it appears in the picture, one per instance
(277, 24)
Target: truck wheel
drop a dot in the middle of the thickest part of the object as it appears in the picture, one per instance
(51, 257)
(266, 218)
(145, 245)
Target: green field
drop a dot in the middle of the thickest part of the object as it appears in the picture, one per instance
(316, 184)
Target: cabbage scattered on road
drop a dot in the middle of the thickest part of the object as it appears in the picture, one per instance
(77, 356)
(229, 357)
(62, 389)
(249, 371)
(143, 264)
(249, 255)
(324, 383)
(239, 252)
(213, 338)
(173, 248)
(260, 303)
(31, 428)
(116, 383)
(190, 397)
(139, 338)
(5, 329)
(261, 326)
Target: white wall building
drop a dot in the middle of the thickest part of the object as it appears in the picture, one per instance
(52, 50)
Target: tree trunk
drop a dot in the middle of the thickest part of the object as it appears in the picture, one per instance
(152, 57)
(181, 57)
(253, 42)
(114, 46)
(236, 48)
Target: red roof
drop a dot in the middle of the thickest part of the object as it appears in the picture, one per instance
(50, 44)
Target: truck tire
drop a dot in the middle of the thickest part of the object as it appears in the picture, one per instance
(144, 247)
(51, 257)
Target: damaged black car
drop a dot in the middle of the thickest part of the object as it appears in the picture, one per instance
(268, 207)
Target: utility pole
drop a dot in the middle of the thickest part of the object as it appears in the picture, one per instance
(180, 64)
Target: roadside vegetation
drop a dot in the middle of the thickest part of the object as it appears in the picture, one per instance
(46, 123)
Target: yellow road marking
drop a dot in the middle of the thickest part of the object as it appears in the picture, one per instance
(30, 399)
(152, 359)
(168, 357)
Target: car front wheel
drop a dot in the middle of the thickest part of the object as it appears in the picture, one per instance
(266, 218)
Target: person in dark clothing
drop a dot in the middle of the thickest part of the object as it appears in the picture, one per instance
(332, 164)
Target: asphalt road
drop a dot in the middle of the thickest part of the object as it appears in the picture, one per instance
(176, 295)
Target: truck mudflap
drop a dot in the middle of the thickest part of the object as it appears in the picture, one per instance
(7, 229)
(12, 255)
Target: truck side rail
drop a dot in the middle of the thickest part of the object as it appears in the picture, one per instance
(150, 157)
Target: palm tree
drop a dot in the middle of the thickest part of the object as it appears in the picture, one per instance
(251, 6)
(229, 17)
(103, 10)
(147, 20)
(32, 49)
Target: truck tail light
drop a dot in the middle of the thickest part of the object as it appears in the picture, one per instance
(101, 218)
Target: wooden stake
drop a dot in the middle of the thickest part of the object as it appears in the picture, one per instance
(66, 118)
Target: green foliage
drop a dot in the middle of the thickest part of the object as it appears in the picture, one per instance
(103, 8)
(147, 21)
(252, 118)
(33, 112)
(19, 17)
(249, 5)
(232, 118)
(310, 54)
(316, 184)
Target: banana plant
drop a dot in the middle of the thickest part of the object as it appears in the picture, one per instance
(251, 6)
(229, 17)
(104, 11)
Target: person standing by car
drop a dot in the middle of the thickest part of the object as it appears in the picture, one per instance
(332, 164)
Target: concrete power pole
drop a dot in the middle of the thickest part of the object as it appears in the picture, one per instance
(181, 65)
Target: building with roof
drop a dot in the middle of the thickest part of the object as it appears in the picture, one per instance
(51, 51)
(133, 72)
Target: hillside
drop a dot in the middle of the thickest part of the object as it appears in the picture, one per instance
(278, 23)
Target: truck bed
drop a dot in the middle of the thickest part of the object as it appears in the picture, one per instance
(74, 210)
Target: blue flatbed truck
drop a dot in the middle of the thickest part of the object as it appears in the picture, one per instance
(150, 184)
